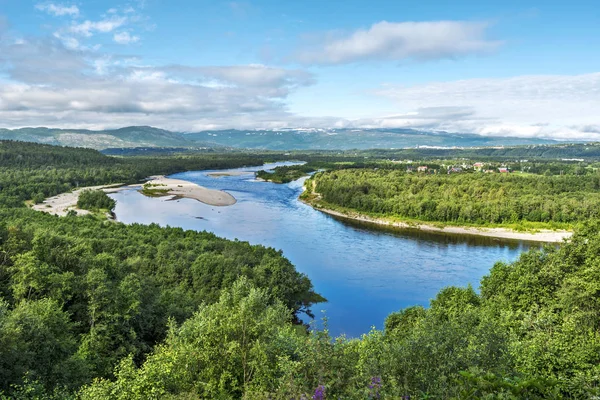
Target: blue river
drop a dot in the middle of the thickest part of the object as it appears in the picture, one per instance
(364, 271)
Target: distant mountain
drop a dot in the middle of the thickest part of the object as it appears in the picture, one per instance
(289, 139)
(346, 139)
(133, 136)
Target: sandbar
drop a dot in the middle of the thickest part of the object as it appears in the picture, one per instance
(229, 173)
(190, 190)
(542, 235)
(63, 203)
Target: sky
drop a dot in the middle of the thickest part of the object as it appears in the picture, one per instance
(502, 68)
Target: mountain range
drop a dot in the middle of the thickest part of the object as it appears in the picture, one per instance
(285, 139)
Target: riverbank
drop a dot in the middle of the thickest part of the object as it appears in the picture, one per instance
(63, 203)
(540, 235)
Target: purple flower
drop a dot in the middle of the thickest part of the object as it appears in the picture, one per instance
(319, 393)
(374, 387)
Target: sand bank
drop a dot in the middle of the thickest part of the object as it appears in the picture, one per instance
(181, 188)
(542, 235)
(229, 173)
(63, 203)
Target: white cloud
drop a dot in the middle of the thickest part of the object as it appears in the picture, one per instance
(277, 81)
(557, 106)
(125, 38)
(57, 81)
(400, 41)
(88, 28)
(58, 9)
(51, 84)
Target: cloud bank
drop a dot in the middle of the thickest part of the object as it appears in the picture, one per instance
(557, 106)
(49, 83)
(398, 41)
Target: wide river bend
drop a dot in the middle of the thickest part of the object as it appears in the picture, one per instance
(364, 271)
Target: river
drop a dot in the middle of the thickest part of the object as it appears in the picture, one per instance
(364, 271)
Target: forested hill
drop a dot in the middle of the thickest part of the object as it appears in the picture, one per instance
(290, 139)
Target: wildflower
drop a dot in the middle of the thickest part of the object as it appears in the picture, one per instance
(374, 387)
(319, 393)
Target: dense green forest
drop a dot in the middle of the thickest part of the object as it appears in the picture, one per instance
(94, 309)
(464, 198)
(531, 333)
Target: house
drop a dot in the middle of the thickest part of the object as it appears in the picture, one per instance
(503, 170)
(410, 169)
(478, 166)
(455, 170)
(422, 168)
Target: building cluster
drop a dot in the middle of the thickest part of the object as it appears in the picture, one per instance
(457, 169)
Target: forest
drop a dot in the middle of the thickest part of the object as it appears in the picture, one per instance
(95, 309)
(464, 198)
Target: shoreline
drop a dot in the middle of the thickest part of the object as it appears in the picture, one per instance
(543, 235)
(62, 203)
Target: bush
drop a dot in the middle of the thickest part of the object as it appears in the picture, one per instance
(95, 200)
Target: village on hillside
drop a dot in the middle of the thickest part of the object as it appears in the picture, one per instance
(430, 168)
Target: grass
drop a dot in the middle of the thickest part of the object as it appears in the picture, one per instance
(154, 190)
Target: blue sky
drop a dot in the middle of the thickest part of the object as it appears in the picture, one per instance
(513, 68)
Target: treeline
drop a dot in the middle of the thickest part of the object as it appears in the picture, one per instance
(463, 198)
(587, 151)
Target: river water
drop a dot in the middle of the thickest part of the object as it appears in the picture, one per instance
(364, 271)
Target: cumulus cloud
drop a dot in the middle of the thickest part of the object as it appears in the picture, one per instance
(48, 83)
(63, 81)
(557, 106)
(400, 41)
(88, 28)
(275, 82)
(116, 21)
(125, 38)
(58, 10)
